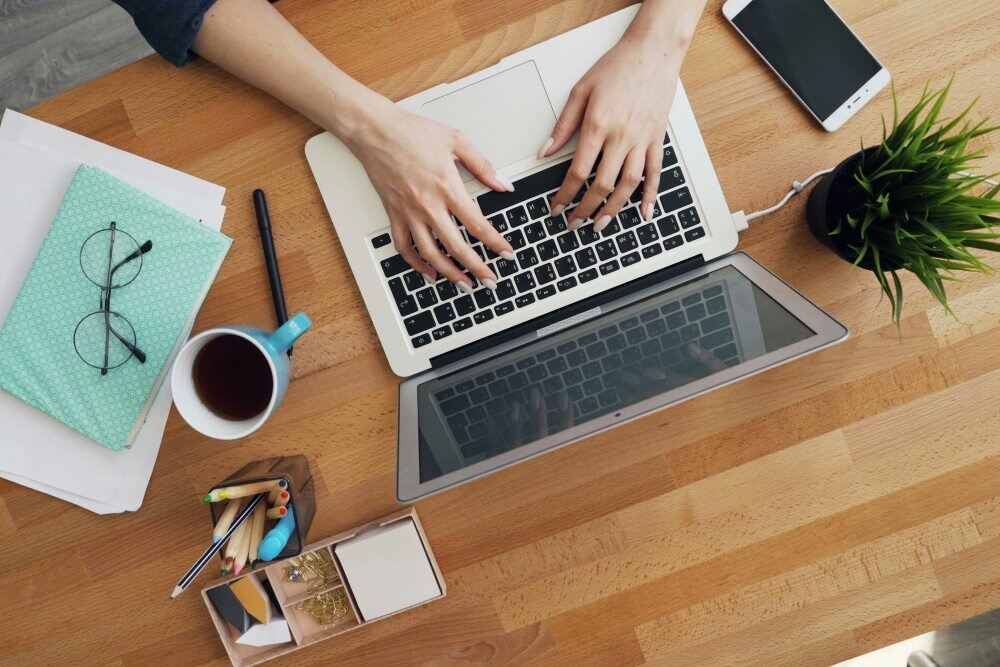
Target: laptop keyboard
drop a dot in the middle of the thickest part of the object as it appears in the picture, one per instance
(643, 353)
(550, 258)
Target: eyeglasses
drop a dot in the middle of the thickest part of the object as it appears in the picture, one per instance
(111, 259)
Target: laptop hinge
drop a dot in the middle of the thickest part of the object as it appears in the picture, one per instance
(581, 310)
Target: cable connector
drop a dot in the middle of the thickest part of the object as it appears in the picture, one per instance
(740, 221)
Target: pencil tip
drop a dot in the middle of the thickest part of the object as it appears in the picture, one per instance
(237, 570)
(215, 539)
(207, 499)
(177, 591)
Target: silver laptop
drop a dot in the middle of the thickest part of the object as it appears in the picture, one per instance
(585, 330)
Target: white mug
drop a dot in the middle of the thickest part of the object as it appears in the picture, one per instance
(271, 346)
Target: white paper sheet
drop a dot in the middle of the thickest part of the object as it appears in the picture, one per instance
(37, 164)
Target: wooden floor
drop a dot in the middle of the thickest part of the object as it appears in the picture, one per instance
(51, 46)
(831, 506)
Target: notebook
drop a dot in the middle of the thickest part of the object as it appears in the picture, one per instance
(50, 337)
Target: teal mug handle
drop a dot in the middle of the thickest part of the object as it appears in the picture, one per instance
(289, 332)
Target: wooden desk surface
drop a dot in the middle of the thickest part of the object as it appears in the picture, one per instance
(806, 515)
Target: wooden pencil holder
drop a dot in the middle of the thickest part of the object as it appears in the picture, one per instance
(294, 469)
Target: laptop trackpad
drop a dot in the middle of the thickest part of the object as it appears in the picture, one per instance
(508, 115)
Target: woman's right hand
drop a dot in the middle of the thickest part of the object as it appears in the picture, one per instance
(411, 162)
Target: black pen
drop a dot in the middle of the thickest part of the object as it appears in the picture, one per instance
(270, 258)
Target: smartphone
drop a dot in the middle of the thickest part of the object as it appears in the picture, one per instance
(828, 69)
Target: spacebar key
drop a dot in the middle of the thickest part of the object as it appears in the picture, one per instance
(526, 188)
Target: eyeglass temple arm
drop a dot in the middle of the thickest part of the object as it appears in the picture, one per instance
(139, 354)
(143, 249)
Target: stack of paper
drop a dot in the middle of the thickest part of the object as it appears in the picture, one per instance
(37, 164)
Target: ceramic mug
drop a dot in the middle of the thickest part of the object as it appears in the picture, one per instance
(271, 346)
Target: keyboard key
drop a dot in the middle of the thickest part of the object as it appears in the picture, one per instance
(670, 307)
(525, 282)
(606, 249)
(670, 179)
(694, 234)
(555, 225)
(626, 241)
(651, 251)
(462, 324)
(427, 297)
(413, 281)
(613, 228)
(534, 232)
(668, 225)
(630, 217)
(464, 305)
(568, 242)
(689, 217)
(504, 308)
(585, 258)
(523, 300)
(527, 258)
(630, 259)
(616, 343)
(444, 313)
(538, 208)
(443, 332)
(483, 316)
(716, 339)
(565, 266)
(499, 223)
(505, 267)
(526, 188)
(517, 216)
(505, 290)
(406, 305)
(566, 283)
(676, 320)
(546, 354)
(690, 332)
(716, 304)
(420, 341)
(551, 386)
(609, 267)
(419, 323)
(547, 250)
(714, 323)
(544, 274)
(515, 238)
(669, 157)
(587, 235)
(587, 275)
(545, 292)
(485, 378)
(381, 240)
(484, 298)
(466, 386)
(537, 373)
(517, 381)
(695, 312)
(647, 233)
(635, 336)
(675, 200)
(393, 266)
(593, 369)
(446, 290)
(673, 242)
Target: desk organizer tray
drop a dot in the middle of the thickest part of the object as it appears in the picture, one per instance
(290, 597)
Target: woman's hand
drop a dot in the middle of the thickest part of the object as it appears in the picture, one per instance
(411, 161)
(620, 108)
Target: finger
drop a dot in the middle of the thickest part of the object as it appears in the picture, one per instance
(478, 165)
(706, 358)
(569, 120)
(459, 249)
(565, 411)
(476, 224)
(654, 160)
(540, 418)
(403, 241)
(603, 185)
(631, 175)
(579, 171)
(429, 250)
(517, 423)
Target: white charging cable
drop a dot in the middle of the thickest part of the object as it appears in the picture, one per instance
(742, 220)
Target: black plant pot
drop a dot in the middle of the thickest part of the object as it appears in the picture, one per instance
(826, 206)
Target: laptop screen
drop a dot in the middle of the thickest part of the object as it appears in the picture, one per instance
(674, 338)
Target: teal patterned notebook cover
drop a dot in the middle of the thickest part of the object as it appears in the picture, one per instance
(39, 341)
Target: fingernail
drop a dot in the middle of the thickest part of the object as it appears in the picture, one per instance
(655, 374)
(545, 147)
(515, 412)
(489, 284)
(563, 401)
(431, 278)
(558, 209)
(575, 224)
(464, 287)
(505, 182)
(602, 223)
(507, 254)
(647, 211)
(535, 397)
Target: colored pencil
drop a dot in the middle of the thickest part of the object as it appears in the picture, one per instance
(242, 490)
(234, 546)
(282, 499)
(226, 520)
(273, 495)
(200, 564)
(256, 534)
(276, 512)
(243, 552)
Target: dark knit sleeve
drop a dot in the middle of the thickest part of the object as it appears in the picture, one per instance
(169, 26)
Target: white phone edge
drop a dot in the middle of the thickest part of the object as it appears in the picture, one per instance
(851, 105)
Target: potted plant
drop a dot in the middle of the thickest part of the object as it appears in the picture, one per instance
(910, 203)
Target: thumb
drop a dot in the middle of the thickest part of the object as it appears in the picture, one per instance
(477, 164)
(569, 120)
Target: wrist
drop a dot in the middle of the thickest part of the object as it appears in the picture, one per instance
(354, 112)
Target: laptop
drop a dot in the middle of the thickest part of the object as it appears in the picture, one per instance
(586, 330)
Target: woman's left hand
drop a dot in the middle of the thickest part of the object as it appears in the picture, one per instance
(621, 108)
